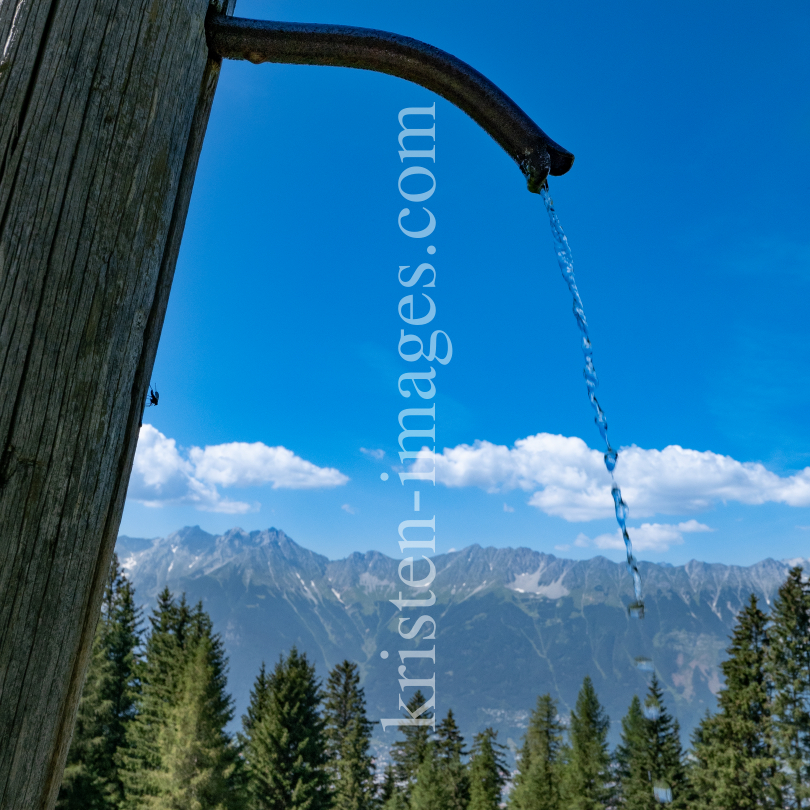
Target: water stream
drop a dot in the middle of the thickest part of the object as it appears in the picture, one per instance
(661, 790)
(566, 261)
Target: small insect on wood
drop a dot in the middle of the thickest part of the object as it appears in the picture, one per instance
(154, 396)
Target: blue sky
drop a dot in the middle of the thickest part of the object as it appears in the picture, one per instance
(687, 211)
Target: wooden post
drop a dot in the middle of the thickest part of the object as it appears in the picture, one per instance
(103, 108)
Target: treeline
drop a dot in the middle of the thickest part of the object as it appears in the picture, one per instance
(151, 732)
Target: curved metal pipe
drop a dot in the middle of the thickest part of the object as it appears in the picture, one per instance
(344, 46)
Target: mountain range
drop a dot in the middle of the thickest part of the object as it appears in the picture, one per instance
(512, 623)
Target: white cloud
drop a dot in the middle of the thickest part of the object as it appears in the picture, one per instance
(240, 464)
(158, 468)
(348, 508)
(161, 475)
(569, 480)
(377, 455)
(647, 537)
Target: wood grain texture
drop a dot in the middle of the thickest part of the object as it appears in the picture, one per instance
(103, 108)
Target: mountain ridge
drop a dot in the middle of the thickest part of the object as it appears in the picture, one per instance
(512, 623)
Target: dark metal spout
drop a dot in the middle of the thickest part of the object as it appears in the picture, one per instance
(344, 46)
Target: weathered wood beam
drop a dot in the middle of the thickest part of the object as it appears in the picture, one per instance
(103, 108)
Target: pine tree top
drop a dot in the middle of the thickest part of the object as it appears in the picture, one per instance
(449, 742)
(283, 738)
(409, 753)
(589, 717)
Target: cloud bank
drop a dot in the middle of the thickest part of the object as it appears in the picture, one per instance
(567, 479)
(161, 475)
(647, 537)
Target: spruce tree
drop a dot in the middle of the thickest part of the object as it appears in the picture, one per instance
(409, 753)
(587, 773)
(283, 736)
(198, 764)
(734, 765)
(258, 704)
(348, 737)
(159, 671)
(448, 749)
(431, 789)
(178, 754)
(667, 757)
(91, 780)
(449, 742)
(537, 783)
(388, 786)
(84, 784)
(396, 801)
(789, 671)
(632, 760)
(488, 771)
(651, 749)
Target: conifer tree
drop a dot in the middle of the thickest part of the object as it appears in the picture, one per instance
(537, 783)
(733, 751)
(348, 737)
(179, 754)
(396, 801)
(159, 670)
(283, 736)
(449, 742)
(667, 760)
(409, 753)
(789, 671)
(84, 784)
(431, 790)
(388, 786)
(488, 771)
(587, 773)
(198, 763)
(123, 638)
(91, 780)
(651, 749)
(631, 756)
(258, 704)
(448, 748)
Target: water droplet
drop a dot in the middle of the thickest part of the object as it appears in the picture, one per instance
(652, 712)
(662, 792)
(644, 664)
(636, 610)
(611, 457)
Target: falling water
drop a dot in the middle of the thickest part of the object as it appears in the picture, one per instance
(566, 261)
(662, 792)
